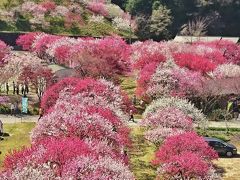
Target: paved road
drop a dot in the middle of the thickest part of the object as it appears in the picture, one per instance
(14, 119)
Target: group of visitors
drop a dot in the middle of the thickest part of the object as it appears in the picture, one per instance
(16, 88)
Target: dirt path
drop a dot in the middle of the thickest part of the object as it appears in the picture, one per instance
(6, 119)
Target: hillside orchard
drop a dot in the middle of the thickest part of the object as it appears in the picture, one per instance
(84, 132)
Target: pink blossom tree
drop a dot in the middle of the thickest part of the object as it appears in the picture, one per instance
(62, 159)
(88, 88)
(184, 156)
(165, 123)
(85, 122)
(4, 51)
(26, 40)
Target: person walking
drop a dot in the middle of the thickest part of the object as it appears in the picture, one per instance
(26, 88)
(17, 89)
(134, 100)
(22, 89)
(7, 88)
(12, 107)
(14, 87)
(15, 108)
(131, 116)
(235, 109)
(40, 113)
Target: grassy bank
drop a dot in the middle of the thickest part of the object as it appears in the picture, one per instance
(19, 136)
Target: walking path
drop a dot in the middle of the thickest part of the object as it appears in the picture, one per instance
(8, 119)
(28, 118)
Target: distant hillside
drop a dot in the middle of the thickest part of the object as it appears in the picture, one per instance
(81, 17)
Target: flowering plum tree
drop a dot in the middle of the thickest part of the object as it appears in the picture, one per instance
(166, 122)
(194, 62)
(108, 57)
(96, 169)
(48, 5)
(41, 43)
(16, 63)
(4, 51)
(49, 149)
(169, 79)
(86, 122)
(98, 8)
(229, 50)
(62, 159)
(88, 88)
(26, 40)
(226, 71)
(52, 93)
(184, 156)
(182, 104)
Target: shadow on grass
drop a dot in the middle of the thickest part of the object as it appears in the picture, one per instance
(233, 157)
(220, 170)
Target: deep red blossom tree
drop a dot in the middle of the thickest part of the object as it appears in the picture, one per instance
(194, 62)
(144, 78)
(62, 53)
(41, 43)
(185, 156)
(229, 49)
(90, 88)
(26, 40)
(66, 158)
(47, 150)
(52, 93)
(147, 53)
(108, 58)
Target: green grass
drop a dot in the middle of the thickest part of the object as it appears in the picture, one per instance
(141, 154)
(19, 136)
(128, 84)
